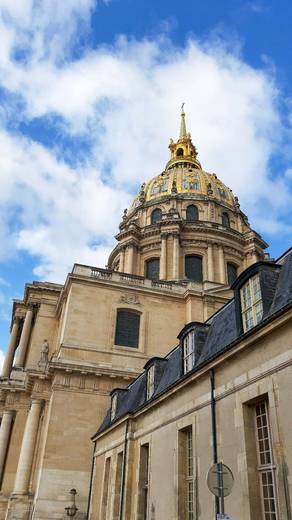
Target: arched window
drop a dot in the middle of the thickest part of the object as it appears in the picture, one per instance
(156, 215)
(127, 329)
(192, 212)
(152, 269)
(179, 152)
(231, 273)
(225, 220)
(193, 268)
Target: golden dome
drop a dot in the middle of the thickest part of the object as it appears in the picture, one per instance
(184, 176)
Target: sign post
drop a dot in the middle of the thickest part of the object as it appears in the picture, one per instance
(220, 482)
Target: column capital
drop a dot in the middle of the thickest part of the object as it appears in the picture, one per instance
(9, 412)
(37, 400)
(164, 235)
(33, 306)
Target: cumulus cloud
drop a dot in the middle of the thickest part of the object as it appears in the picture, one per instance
(2, 358)
(122, 101)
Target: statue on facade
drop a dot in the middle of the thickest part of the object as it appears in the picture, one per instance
(44, 353)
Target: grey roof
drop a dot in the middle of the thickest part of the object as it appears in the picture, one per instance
(221, 333)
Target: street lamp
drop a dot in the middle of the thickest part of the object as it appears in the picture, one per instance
(72, 509)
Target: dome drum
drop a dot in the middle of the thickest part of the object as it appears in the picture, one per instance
(185, 220)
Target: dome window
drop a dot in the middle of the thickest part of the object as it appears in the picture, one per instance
(192, 212)
(193, 268)
(225, 220)
(152, 269)
(156, 215)
(231, 273)
(179, 152)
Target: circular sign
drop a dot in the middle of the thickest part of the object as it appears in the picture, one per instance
(220, 480)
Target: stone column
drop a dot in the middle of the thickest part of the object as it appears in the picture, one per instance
(222, 276)
(122, 260)
(130, 259)
(210, 263)
(22, 347)
(11, 348)
(163, 258)
(5, 430)
(25, 461)
(175, 260)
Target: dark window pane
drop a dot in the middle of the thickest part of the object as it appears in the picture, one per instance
(152, 269)
(156, 216)
(127, 329)
(231, 273)
(193, 268)
(225, 220)
(192, 212)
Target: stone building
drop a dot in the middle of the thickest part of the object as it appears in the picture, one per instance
(222, 394)
(180, 246)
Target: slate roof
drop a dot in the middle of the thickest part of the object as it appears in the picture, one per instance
(221, 334)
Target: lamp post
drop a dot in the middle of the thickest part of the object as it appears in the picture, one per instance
(71, 510)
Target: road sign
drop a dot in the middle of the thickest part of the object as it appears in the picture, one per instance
(220, 481)
(224, 517)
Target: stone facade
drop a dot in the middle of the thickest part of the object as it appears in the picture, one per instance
(253, 371)
(62, 361)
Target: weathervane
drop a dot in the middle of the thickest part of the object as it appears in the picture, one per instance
(182, 107)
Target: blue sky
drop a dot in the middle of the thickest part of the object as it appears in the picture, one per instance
(90, 95)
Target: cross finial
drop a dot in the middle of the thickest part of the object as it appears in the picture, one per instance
(183, 130)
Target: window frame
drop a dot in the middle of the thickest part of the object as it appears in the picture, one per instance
(114, 406)
(188, 351)
(150, 384)
(186, 474)
(267, 468)
(224, 215)
(236, 268)
(154, 220)
(202, 272)
(251, 300)
(196, 211)
(133, 312)
(155, 258)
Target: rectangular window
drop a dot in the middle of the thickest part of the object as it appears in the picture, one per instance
(186, 475)
(114, 406)
(189, 352)
(118, 486)
(127, 329)
(251, 303)
(143, 485)
(150, 381)
(194, 268)
(266, 467)
(105, 491)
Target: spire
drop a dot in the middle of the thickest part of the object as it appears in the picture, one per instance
(183, 130)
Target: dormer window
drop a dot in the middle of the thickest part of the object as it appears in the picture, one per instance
(251, 303)
(150, 381)
(188, 352)
(114, 406)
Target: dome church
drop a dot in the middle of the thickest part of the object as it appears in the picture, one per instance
(185, 224)
(92, 358)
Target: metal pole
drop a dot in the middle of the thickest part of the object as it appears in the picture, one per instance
(214, 429)
(221, 487)
(121, 516)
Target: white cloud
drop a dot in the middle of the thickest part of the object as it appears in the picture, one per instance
(124, 101)
(2, 359)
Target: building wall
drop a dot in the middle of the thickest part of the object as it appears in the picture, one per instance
(261, 367)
